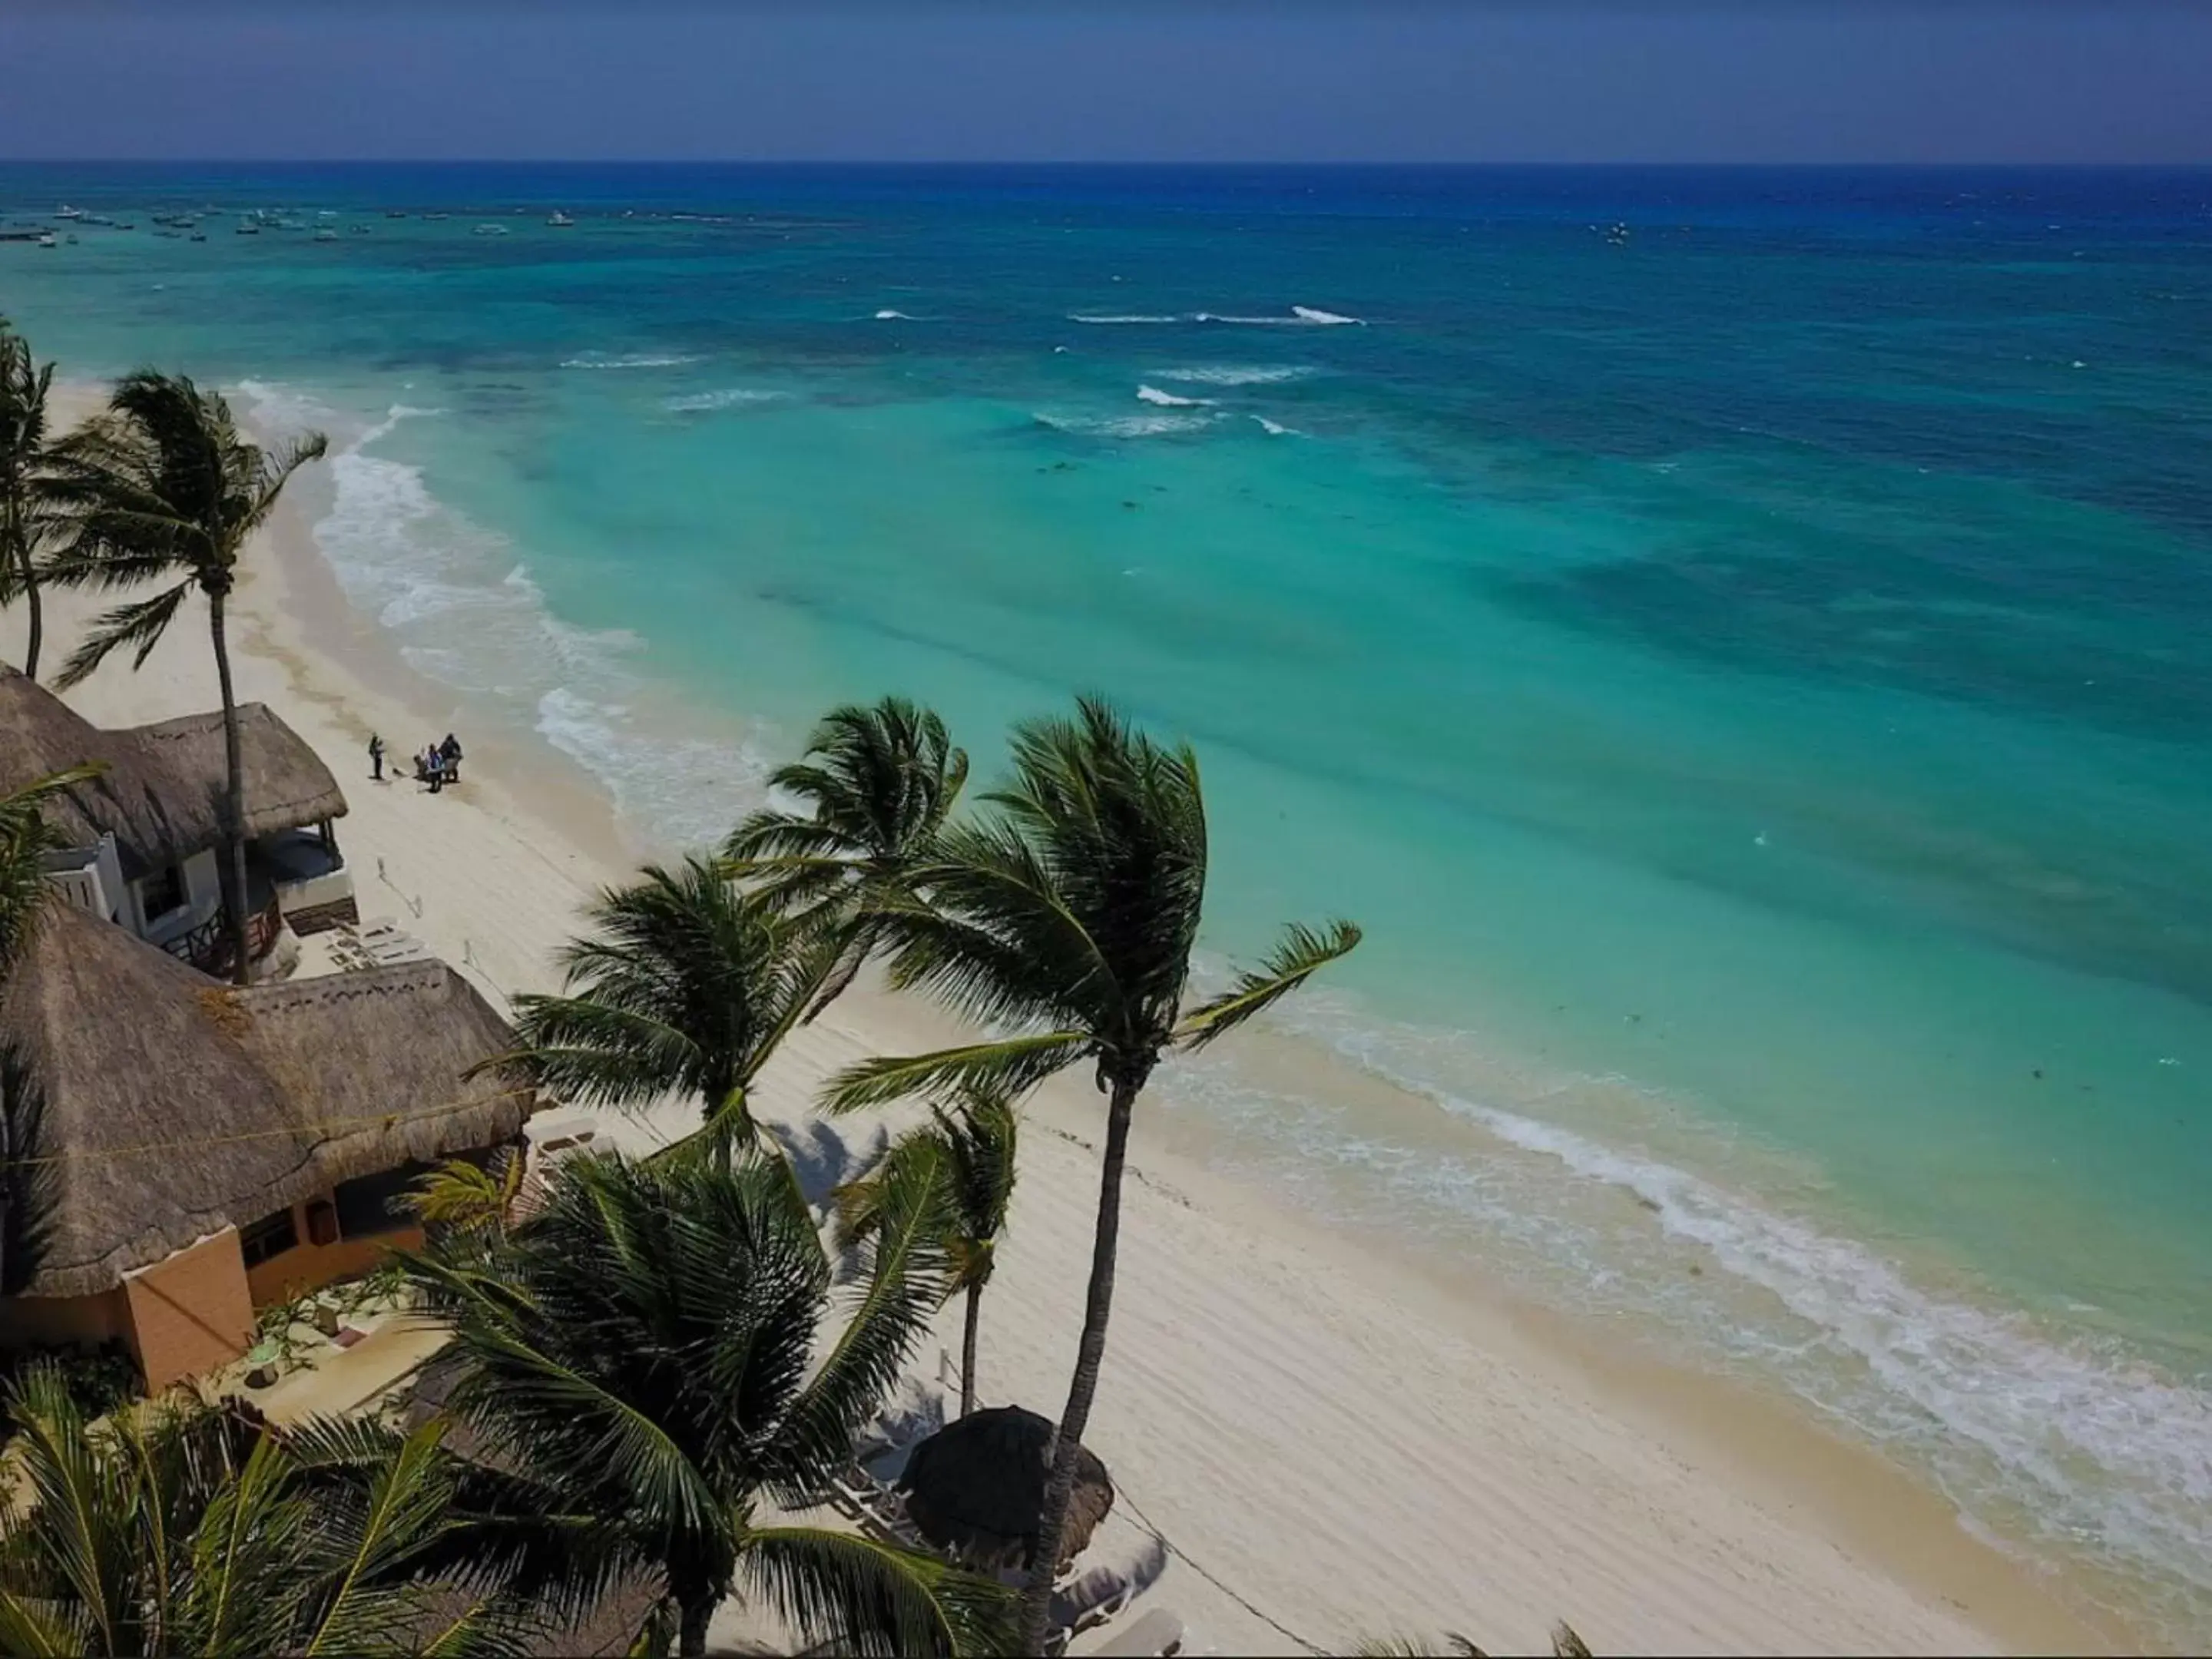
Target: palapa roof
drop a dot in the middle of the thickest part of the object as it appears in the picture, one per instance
(161, 795)
(977, 1487)
(287, 785)
(158, 1106)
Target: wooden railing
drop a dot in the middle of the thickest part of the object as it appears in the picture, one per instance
(207, 947)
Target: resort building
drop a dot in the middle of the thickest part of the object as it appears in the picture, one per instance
(144, 839)
(177, 1154)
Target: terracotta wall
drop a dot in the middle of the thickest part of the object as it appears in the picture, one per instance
(189, 1312)
(308, 1265)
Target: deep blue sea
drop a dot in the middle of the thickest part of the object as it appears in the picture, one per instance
(1741, 641)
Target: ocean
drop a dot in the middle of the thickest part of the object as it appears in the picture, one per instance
(1740, 642)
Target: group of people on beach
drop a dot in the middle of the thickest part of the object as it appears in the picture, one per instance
(437, 765)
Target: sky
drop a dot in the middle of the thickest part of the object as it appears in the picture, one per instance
(1468, 81)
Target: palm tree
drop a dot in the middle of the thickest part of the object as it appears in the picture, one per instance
(635, 1359)
(972, 1150)
(879, 783)
(25, 839)
(162, 488)
(683, 986)
(184, 1529)
(471, 1197)
(1071, 913)
(23, 457)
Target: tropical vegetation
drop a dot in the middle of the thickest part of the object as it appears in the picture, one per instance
(163, 488)
(963, 1161)
(683, 986)
(876, 784)
(23, 440)
(1069, 915)
(182, 1528)
(636, 1363)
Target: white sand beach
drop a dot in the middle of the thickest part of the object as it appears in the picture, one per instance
(1334, 1445)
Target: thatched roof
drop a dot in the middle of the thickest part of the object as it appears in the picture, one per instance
(977, 1487)
(287, 785)
(154, 820)
(161, 795)
(160, 1106)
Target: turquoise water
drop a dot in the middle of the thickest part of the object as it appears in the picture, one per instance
(1750, 678)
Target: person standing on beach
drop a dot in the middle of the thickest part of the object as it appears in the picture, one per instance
(449, 752)
(376, 758)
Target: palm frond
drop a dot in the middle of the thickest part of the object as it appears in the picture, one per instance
(1302, 952)
(25, 839)
(137, 625)
(864, 1597)
(1010, 1067)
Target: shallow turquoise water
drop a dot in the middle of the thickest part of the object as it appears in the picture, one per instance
(1750, 681)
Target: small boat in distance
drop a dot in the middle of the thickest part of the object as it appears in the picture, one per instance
(491, 230)
(249, 229)
(46, 240)
(326, 234)
(68, 212)
(560, 219)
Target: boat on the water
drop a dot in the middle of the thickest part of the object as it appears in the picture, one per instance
(326, 234)
(560, 219)
(249, 229)
(46, 240)
(65, 211)
(491, 230)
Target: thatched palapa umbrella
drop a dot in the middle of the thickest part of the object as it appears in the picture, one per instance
(976, 1488)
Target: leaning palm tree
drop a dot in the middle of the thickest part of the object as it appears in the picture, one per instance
(185, 1529)
(683, 986)
(1071, 913)
(971, 1155)
(877, 783)
(23, 386)
(636, 1362)
(163, 488)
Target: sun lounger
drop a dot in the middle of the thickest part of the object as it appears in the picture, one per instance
(399, 948)
(1156, 1635)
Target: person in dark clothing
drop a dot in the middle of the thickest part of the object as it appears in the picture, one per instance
(450, 752)
(376, 758)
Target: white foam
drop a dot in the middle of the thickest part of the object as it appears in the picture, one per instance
(1126, 426)
(728, 398)
(687, 790)
(1167, 399)
(888, 315)
(1276, 429)
(637, 360)
(2085, 1443)
(1300, 317)
(1237, 374)
(1081, 316)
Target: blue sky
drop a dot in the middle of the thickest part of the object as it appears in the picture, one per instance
(1120, 80)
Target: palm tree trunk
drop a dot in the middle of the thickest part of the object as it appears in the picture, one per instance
(970, 1326)
(693, 1614)
(1090, 1352)
(29, 578)
(233, 799)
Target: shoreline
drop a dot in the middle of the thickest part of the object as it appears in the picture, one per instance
(1483, 1464)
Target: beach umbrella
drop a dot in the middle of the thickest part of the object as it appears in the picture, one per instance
(976, 1488)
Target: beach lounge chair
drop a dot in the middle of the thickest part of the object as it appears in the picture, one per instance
(1156, 1635)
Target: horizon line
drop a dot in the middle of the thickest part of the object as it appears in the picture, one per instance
(2192, 166)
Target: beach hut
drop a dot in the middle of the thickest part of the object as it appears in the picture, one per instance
(140, 841)
(975, 1489)
(176, 1154)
